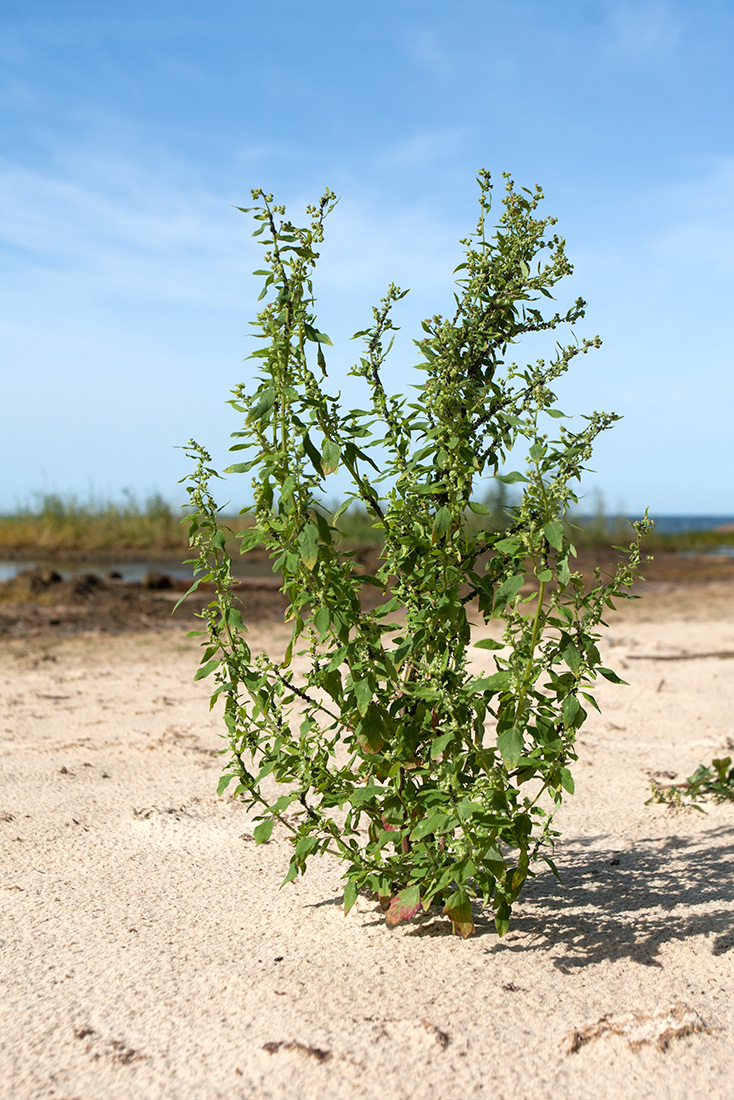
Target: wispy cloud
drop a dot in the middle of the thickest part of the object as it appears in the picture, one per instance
(422, 149)
(128, 279)
(127, 229)
(698, 222)
(644, 28)
(428, 50)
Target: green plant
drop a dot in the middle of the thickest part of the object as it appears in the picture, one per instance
(431, 783)
(713, 781)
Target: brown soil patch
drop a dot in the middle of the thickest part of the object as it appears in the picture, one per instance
(39, 601)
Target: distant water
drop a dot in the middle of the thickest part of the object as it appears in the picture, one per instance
(669, 525)
(129, 571)
(678, 525)
(675, 525)
(10, 569)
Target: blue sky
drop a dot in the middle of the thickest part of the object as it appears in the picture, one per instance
(130, 131)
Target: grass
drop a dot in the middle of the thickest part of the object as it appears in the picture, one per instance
(58, 525)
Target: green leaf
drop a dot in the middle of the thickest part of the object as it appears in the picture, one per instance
(458, 910)
(508, 546)
(442, 520)
(554, 869)
(234, 619)
(305, 846)
(554, 533)
(363, 693)
(323, 528)
(493, 859)
(330, 456)
(262, 406)
(322, 620)
(510, 744)
(262, 832)
(219, 539)
(314, 335)
(495, 682)
(292, 872)
(308, 544)
(371, 728)
(511, 479)
(502, 917)
(567, 780)
(478, 509)
(249, 539)
(435, 823)
(611, 676)
(489, 643)
(570, 709)
(206, 669)
(360, 795)
(350, 896)
(544, 576)
(311, 451)
(224, 782)
(508, 590)
(439, 744)
(519, 874)
(592, 700)
(571, 656)
(467, 809)
(240, 467)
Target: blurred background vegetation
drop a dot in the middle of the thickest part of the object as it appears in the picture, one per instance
(53, 525)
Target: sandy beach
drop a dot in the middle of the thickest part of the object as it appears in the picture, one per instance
(146, 950)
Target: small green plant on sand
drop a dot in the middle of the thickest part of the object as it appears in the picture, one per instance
(710, 782)
(431, 782)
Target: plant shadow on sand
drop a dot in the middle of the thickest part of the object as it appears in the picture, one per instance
(614, 903)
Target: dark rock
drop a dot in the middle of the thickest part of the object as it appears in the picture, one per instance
(156, 582)
(35, 581)
(82, 586)
(47, 577)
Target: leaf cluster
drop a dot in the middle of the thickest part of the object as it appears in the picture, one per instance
(710, 782)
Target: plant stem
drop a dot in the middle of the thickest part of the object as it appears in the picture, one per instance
(531, 655)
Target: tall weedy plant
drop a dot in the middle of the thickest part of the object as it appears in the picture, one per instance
(431, 783)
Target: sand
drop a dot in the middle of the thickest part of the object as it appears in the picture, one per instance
(147, 952)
